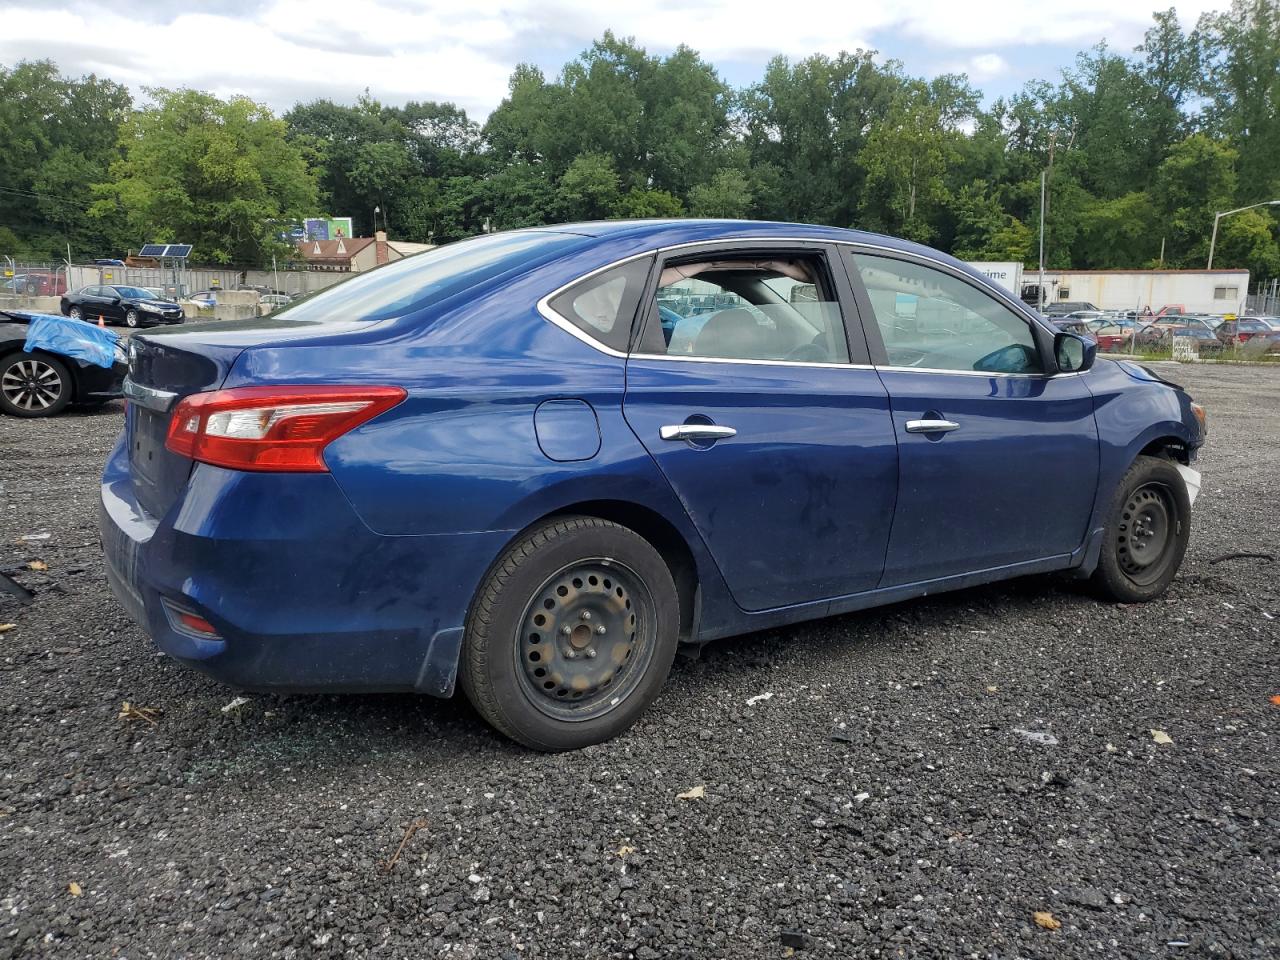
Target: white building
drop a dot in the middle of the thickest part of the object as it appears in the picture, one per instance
(1195, 291)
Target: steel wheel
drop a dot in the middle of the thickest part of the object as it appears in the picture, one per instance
(1145, 533)
(585, 639)
(32, 386)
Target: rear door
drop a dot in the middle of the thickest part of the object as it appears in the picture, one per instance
(998, 461)
(766, 418)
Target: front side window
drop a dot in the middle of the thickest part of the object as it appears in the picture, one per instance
(769, 308)
(936, 321)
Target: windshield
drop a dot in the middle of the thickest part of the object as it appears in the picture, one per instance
(136, 293)
(419, 281)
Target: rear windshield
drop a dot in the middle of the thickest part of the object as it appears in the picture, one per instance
(419, 281)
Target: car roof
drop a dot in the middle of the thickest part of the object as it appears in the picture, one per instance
(674, 231)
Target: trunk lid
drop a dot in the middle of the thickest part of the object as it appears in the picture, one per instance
(167, 365)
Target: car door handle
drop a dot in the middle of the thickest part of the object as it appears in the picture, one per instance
(696, 431)
(931, 426)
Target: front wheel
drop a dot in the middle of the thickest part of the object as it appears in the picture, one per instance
(33, 385)
(572, 635)
(1147, 532)
(75, 314)
(131, 319)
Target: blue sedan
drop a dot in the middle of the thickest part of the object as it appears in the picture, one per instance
(502, 463)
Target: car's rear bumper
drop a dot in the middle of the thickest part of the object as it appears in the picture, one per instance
(303, 595)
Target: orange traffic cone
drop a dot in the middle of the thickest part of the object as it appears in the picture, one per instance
(102, 323)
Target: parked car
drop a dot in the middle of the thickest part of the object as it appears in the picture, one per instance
(275, 300)
(1236, 332)
(1206, 343)
(41, 383)
(36, 283)
(1064, 307)
(484, 464)
(1111, 337)
(132, 306)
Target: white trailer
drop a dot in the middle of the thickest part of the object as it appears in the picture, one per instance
(1195, 291)
(1005, 274)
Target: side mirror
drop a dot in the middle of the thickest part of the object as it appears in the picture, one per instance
(115, 300)
(1073, 353)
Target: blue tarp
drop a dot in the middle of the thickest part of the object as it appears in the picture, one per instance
(72, 338)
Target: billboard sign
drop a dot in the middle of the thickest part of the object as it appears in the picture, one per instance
(327, 228)
(1007, 275)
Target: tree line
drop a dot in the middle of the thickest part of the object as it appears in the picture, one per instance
(1139, 150)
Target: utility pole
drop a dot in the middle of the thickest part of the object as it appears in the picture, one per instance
(1040, 286)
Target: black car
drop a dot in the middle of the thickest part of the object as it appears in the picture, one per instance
(40, 384)
(132, 306)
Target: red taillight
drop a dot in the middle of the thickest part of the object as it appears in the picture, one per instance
(273, 428)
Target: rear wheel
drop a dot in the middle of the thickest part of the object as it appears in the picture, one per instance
(572, 634)
(1147, 532)
(33, 385)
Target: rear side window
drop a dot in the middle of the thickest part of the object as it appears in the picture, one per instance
(603, 306)
(427, 278)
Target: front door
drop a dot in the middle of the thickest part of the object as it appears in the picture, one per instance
(998, 462)
(780, 448)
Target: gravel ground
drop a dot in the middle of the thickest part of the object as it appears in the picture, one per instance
(922, 781)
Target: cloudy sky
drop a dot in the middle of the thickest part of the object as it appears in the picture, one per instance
(283, 51)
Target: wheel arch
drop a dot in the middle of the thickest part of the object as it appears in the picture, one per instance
(660, 533)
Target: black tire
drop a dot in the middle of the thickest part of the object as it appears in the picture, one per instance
(75, 313)
(34, 385)
(1148, 528)
(132, 320)
(571, 635)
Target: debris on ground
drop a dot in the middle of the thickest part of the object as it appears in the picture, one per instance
(752, 701)
(235, 704)
(37, 565)
(1046, 920)
(12, 587)
(129, 712)
(693, 793)
(840, 733)
(1159, 736)
(74, 889)
(1042, 737)
(33, 537)
(404, 841)
(6, 627)
(1268, 557)
(795, 939)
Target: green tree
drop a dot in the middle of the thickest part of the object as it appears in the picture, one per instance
(637, 204)
(983, 231)
(589, 188)
(1195, 180)
(60, 136)
(905, 159)
(218, 174)
(1243, 58)
(727, 196)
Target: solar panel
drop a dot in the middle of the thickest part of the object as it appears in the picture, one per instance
(180, 250)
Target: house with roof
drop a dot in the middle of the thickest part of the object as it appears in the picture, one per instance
(354, 254)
